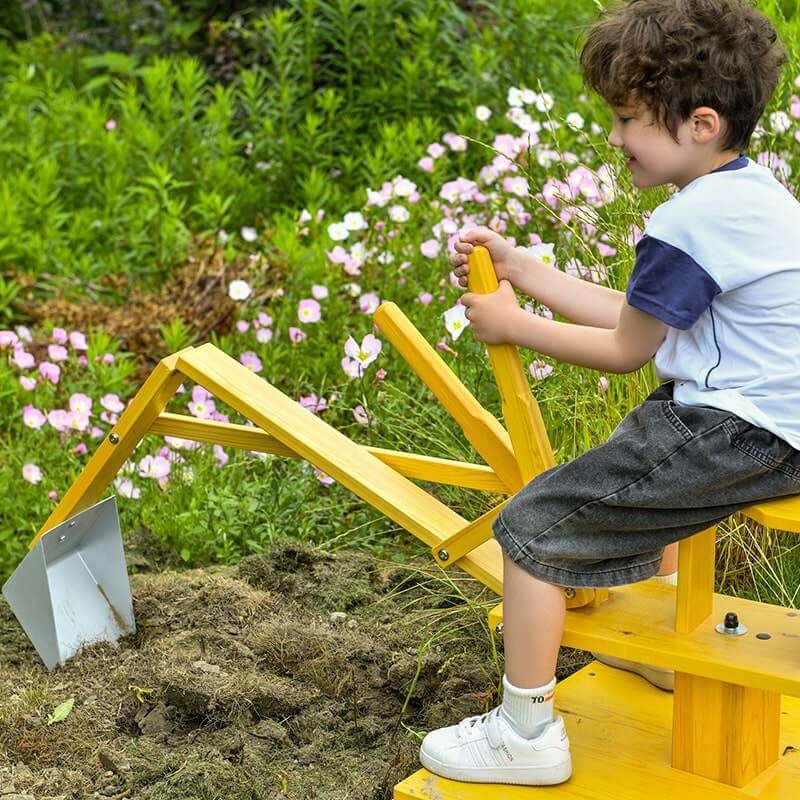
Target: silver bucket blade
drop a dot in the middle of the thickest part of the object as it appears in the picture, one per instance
(72, 587)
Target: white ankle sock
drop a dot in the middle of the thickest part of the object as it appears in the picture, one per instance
(528, 710)
(671, 578)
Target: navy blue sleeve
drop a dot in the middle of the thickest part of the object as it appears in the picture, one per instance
(669, 284)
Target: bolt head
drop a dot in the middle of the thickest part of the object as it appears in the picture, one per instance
(113, 438)
(444, 555)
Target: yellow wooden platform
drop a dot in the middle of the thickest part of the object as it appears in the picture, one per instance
(620, 731)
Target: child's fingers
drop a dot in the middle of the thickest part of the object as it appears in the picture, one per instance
(463, 247)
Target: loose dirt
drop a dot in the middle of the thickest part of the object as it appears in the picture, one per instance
(296, 674)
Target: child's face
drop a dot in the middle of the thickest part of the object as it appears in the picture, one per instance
(654, 158)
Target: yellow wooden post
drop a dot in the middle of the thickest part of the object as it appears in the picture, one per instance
(720, 730)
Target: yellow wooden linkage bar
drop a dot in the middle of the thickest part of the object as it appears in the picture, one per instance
(480, 428)
(411, 465)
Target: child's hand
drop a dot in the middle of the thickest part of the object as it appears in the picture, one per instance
(493, 316)
(504, 256)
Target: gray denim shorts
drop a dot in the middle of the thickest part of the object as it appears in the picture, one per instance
(666, 472)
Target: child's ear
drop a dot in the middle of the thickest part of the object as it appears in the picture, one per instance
(706, 124)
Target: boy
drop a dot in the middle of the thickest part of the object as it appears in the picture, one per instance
(714, 297)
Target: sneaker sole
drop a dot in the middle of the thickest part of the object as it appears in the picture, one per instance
(546, 775)
(661, 678)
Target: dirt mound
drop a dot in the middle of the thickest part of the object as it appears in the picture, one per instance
(196, 293)
(298, 674)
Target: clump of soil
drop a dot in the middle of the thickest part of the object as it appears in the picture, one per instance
(297, 674)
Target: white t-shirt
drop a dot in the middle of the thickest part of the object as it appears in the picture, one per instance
(719, 262)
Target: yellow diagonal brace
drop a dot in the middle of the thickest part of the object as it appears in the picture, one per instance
(467, 539)
(480, 428)
(133, 424)
(411, 465)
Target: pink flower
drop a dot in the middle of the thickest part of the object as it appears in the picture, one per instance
(296, 335)
(309, 311)
(110, 124)
(59, 336)
(50, 371)
(251, 361)
(80, 449)
(23, 359)
(111, 402)
(361, 415)
(78, 341)
(319, 291)
(8, 339)
(202, 408)
(108, 358)
(80, 404)
(425, 298)
(360, 356)
(31, 473)
(96, 433)
(82, 361)
(324, 479)
(53, 495)
(32, 417)
(264, 335)
(242, 325)
(220, 455)
(313, 403)
(602, 384)
(380, 374)
(27, 383)
(57, 418)
(56, 352)
(430, 248)
(263, 319)
(77, 421)
(338, 255)
(369, 303)
(154, 467)
(125, 488)
(540, 369)
(425, 164)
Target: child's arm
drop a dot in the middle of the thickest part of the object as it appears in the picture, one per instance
(580, 301)
(497, 318)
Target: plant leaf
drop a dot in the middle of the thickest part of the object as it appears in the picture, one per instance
(61, 712)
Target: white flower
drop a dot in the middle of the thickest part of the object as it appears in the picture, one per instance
(780, 121)
(239, 290)
(543, 101)
(354, 221)
(399, 214)
(455, 320)
(404, 187)
(249, 234)
(542, 251)
(514, 97)
(338, 232)
(575, 120)
(482, 113)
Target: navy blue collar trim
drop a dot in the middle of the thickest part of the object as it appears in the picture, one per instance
(737, 163)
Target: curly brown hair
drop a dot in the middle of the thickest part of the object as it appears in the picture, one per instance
(676, 55)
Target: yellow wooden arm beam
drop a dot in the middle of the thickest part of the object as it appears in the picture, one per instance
(411, 465)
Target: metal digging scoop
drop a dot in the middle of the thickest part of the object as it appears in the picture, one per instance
(72, 588)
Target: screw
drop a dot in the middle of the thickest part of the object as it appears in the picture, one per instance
(731, 626)
(444, 555)
(113, 438)
(569, 593)
(72, 524)
(498, 629)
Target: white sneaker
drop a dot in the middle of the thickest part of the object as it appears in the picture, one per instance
(662, 678)
(486, 749)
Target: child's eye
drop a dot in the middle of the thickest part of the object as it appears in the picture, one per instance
(624, 119)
